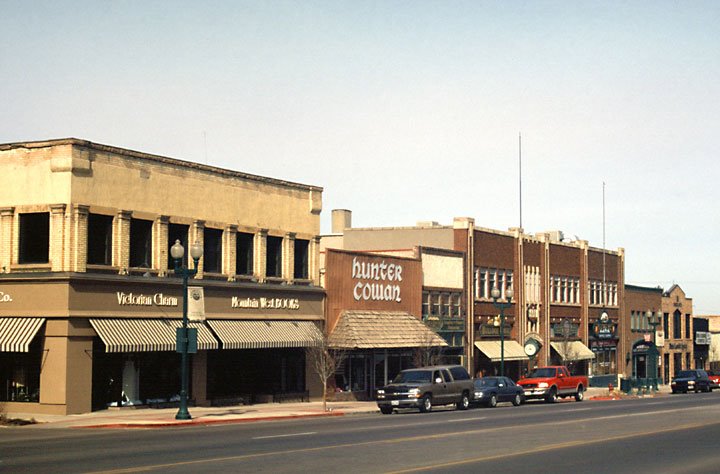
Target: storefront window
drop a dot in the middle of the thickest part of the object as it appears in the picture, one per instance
(20, 374)
(605, 361)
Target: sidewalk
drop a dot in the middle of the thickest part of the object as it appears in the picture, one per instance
(144, 417)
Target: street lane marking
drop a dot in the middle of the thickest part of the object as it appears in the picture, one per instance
(550, 447)
(460, 420)
(286, 435)
(413, 439)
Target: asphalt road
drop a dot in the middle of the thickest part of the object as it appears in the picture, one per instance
(671, 434)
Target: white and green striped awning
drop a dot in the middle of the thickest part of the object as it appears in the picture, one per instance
(147, 335)
(16, 334)
(265, 334)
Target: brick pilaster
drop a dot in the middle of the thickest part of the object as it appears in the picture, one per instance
(121, 241)
(161, 248)
(229, 249)
(314, 260)
(288, 257)
(58, 234)
(197, 232)
(7, 215)
(260, 255)
(79, 240)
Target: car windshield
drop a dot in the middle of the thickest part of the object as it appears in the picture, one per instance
(542, 373)
(486, 382)
(414, 376)
(686, 373)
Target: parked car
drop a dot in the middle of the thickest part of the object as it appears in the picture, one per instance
(695, 380)
(490, 391)
(714, 377)
(424, 387)
(551, 382)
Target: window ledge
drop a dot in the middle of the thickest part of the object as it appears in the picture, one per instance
(246, 278)
(142, 271)
(302, 281)
(275, 280)
(95, 268)
(214, 276)
(31, 267)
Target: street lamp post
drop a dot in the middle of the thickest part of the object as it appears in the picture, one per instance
(495, 293)
(653, 354)
(177, 251)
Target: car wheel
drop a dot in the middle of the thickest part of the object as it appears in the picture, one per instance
(386, 410)
(552, 396)
(464, 402)
(580, 394)
(492, 403)
(517, 401)
(426, 405)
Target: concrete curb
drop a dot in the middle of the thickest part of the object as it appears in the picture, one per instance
(202, 422)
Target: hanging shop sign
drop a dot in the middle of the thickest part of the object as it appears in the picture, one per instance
(604, 327)
(564, 329)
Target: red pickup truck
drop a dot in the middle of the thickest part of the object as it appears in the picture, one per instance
(551, 382)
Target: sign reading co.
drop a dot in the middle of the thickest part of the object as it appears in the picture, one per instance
(4, 297)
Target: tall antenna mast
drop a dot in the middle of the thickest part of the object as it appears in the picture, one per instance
(520, 172)
(604, 293)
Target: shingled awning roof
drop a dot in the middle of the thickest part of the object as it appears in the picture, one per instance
(382, 330)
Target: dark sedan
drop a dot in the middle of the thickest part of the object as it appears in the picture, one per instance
(691, 381)
(490, 391)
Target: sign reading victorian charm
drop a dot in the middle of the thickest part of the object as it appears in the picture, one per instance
(373, 273)
(138, 299)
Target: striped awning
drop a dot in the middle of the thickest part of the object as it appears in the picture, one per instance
(147, 335)
(265, 334)
(573, 350)
(512, 350)
(17, 333)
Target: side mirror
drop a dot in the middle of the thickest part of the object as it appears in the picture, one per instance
(561, 375)
(438, 380)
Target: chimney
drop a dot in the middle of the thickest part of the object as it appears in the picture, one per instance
(341, 220)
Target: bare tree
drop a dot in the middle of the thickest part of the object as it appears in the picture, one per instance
(325, 361)
(427, 353)
(569, 354)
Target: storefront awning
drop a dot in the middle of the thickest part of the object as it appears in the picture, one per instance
(573, 350)
(382, 330)
(265, 334)
(147, 335)
(513, 350)
(17, 333)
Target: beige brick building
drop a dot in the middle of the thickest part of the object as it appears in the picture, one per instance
(88, 295)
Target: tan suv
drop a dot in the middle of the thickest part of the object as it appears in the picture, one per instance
(424, 387)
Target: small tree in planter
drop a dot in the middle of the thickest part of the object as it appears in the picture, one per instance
(324, 361)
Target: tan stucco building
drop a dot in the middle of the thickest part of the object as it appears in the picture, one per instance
(88, 297)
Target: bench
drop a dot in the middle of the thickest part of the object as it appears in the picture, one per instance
(280, 397)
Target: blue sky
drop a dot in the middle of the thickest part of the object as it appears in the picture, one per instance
(408, 110)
